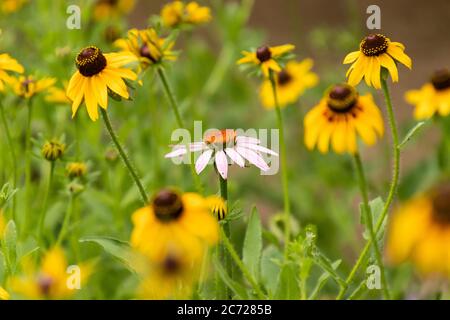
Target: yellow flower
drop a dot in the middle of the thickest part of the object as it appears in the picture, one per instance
(97, 74)
(27, 86)
(10, 6)
(176, 13)
(291, 83)
(7, 64)
(171, 277)
(218, 206)
(433, 97)
(107, 9)
(53, 150)
(4, 295)
(52, 280)
(76, 170)
(174, 220)
(265, 57)
(146, 46)
(420, 232)
(375, 51)
(339, 117)
(58, 95)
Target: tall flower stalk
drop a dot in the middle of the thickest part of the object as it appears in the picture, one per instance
(284, 173)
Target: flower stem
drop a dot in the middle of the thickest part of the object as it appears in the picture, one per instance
(223, 184)
(45, 203)
(241, 266)
(69, 211)
(392, 188)
(369, 223)
(28, 164)
(13, 157)
(124, 156)
(176, 110)
(284, 176)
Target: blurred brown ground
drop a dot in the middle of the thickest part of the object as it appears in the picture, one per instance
(423, 26)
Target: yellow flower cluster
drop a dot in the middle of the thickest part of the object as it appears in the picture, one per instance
(178, 13)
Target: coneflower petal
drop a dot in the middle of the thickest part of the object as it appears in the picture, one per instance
(178, 151)
(253, 157)
(203, 160)
(235, 157)
(258, 148)
(222, 163)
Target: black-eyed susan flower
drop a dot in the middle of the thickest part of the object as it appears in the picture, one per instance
(147, 46)
(433, 98)
(28, 86)
(4, 295)
(76, 170)
(107, 9)
(375, 51)
(291, 82)
(177, 13)
(174, 220)
(419, 232)
(266, 57)
(171, 277)
(98, 74)
(225, 147)
(339, 117)
(50, 280)
(218, 206)
(53, 150)
(8, 64)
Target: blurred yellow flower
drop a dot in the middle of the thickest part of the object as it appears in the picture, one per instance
(76, 170)
(11, 6)
(53, 150)
(107, 9)
(4, 295)
(97, 74)
(218, 206)
(52, 280)
(175, 220)
(291, 83)
(7, 64)
(375, 51)
(27, 86)
(339, 117)
(176, 13)
(57, 95)
(433, 97)
(266, 57)
(419, 232)
(146, 46)
(171, 277)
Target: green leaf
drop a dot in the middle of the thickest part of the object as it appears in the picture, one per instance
(270, 268)
(10, 245)
(253, 244)
(120, 250)
(376, 208)
(411, 133)
(288, 286)
(238, 290)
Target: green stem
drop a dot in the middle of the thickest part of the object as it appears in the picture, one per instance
(369, 223)
(176, 110)
(67, 216)
(223, 184)
(124, 156)
(13, 157)
(241, 266)
(392, 189)
(28, 164)
(284, 176)
(45, 203)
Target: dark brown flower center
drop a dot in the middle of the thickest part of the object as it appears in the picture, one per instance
(441, 204)
(167, 205)
(342, 98)
(441, 79)
(374, 45)
(263, 53)
(90, 61)
(284, 77)
(45, 284)
(145, 52)
(171, 264)
(26, 84)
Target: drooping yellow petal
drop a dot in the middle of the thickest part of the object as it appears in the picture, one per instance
(351, 57)
(115, 83)
(90, 100)
(280, 50)
(398, 54)
(387, 62)
(376, 73)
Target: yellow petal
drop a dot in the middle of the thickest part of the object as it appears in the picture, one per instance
(376, 73)
(90, 100)
(387, 62)
(280, 50)
(398, 54)
(351, 57)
